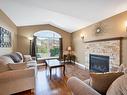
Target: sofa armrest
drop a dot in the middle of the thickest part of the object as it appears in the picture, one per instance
(16, 74)
(33, 58)
(78, 87)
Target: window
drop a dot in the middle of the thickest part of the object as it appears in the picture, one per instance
(47, 44)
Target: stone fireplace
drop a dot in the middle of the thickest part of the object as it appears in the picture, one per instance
(109, 48)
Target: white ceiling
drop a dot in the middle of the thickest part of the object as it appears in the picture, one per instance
(69, 15)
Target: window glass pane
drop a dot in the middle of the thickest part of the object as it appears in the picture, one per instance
(48, 46)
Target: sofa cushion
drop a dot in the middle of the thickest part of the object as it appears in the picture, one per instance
(3, 66)
(102, 81)
(119, 86)
(6, 59)
(17, 66)
(13, 75)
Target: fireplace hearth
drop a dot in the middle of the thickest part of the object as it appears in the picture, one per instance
(98, 63)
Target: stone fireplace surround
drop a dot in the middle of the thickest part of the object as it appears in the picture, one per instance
(106, 47)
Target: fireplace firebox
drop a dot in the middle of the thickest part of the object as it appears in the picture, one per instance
(98, 63)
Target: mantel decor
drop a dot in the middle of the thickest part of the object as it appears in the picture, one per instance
(99, 28)
(5, 38)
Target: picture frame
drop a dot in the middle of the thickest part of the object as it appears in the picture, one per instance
(5, 38)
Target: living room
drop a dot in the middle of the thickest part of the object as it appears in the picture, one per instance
(80, 49)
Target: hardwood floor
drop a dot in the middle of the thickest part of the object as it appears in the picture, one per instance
(57, 84)
(54, 86)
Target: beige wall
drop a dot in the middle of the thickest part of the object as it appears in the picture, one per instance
(112, 27)
(28, 31)
(6, 23)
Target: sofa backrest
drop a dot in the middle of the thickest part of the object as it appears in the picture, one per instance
(3, 66)
(16, 57)
(13, 58)
(6, 59)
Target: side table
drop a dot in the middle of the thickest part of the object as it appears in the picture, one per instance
(69, 58)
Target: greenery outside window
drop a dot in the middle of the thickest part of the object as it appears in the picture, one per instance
(47, 44)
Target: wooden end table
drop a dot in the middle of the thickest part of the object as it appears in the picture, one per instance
(69, 58)
(54, 63)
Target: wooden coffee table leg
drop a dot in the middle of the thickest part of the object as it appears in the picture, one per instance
(64, 70)
(45, 65)
(50, 72)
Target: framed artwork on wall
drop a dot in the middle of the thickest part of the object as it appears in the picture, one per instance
(5, 38)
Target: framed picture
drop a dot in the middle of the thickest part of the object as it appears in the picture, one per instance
(5, 38)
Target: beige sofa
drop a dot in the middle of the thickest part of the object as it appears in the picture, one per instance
(79, 87)
(16, 80)
(118, 87)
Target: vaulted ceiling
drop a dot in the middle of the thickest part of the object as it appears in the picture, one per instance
(69, 15)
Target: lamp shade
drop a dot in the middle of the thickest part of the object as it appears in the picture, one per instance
(82, 36)
(126, 24)
(30, 38)
(69, 48)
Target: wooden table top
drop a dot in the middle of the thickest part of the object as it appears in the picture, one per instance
(54, 62)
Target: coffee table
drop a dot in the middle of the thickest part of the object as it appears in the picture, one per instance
(54, 63)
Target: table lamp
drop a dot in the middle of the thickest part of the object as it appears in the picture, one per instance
(69, 49)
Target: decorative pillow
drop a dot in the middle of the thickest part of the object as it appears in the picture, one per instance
(17, 66)
(102, 81)
(119, 86)
(15, 57)
(3, 66)
(123, 68)
(19, 55)
(27, 58)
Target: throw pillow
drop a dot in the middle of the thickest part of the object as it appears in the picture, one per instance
(102, 81)
(3, 66)
(17, 66)
(19, 55)
(119, 86)
(123, 68)
(27, 58)
(15, 57)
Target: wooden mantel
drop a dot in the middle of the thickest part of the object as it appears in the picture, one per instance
(106, 39)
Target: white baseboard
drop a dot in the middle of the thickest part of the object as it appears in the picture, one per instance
(81, 66)
(87, 68)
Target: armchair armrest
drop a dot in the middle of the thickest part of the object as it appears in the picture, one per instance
(78, 87)
(16, 74)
